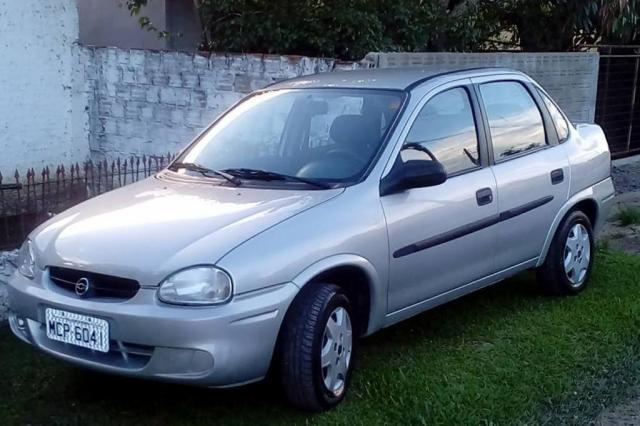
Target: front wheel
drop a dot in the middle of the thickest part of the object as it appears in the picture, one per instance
(317, 348)
(570, 259)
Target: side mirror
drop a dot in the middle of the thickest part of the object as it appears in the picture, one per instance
(413, 174)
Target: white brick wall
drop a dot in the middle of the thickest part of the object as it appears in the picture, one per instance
(42, 114)
(154, 102)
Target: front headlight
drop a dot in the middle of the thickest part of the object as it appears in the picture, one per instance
(27, 260)
(200, 285)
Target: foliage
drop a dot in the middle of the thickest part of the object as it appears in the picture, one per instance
(135, 7)
(628, 215)
(562, 25)
(618, 21)
(346, 29)
(349, 29)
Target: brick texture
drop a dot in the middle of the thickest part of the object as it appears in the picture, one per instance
(155, 102)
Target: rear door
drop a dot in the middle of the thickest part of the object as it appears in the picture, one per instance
(531, 168)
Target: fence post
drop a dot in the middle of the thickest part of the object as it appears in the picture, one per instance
(634, 92)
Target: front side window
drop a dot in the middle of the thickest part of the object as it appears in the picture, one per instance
(445, 129)
(515, 122)
(560, 123)
(329, 135)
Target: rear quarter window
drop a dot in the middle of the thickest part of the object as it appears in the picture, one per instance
(559, 122)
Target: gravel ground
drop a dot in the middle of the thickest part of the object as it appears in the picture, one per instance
(627, 413)
(626, 178)
(7, 261)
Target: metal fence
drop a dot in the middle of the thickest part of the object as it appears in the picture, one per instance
(27, 199)
(617, 105)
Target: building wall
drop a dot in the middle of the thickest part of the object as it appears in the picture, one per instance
(150, 102)
(109, 23)
(43, 120)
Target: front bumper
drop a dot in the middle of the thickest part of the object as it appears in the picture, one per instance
(215, 346)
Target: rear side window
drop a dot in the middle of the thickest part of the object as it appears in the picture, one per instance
(515, 122)
(560, 123)
(445, 126)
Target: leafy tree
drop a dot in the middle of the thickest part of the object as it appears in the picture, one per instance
(339, 28)
(561, 25)
(349, 29)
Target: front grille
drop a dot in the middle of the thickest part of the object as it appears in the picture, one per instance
(101, 286)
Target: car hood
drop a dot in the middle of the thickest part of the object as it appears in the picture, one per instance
(150, 229)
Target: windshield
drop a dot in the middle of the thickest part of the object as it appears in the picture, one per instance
(326, 135)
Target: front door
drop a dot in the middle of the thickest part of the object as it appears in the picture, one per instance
(442, 237)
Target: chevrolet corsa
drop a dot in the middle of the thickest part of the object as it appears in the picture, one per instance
(314, 212)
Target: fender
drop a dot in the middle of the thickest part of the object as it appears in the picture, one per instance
(377, 285)
(602, 193)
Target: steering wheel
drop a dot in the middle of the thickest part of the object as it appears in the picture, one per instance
(346, 154)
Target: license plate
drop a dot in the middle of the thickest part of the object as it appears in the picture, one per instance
(77, 329)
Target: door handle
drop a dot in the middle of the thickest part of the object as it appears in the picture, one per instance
(484, 196)
(557, 176)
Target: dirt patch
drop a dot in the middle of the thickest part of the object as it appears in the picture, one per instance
(624, 414)
(614, 235)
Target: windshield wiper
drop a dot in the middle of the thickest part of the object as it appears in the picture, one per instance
(258, 174)
(194, 167)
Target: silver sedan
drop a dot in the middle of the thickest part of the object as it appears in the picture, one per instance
(314, 212)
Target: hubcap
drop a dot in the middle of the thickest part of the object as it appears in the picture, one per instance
(577, 254)
(336, 350)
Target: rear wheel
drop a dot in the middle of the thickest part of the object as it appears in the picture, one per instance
(570, 259)
(317, 348)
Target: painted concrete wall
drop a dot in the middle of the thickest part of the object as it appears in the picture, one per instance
(43, 120)
(570, 78)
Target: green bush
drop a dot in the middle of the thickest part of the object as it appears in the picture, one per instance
(346, 29)
(628, 215)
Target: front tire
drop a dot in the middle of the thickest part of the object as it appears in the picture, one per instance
(317, 348)
(569, 261)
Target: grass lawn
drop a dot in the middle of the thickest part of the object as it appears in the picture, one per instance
(505, 355)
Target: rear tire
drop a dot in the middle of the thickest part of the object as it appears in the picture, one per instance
(317, 348)
(569, 261)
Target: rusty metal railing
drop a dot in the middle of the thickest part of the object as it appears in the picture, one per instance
(27, 199)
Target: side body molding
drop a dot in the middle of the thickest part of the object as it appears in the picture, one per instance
(602, 193)
(377, 285)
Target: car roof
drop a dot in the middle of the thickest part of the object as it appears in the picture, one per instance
(384, 78)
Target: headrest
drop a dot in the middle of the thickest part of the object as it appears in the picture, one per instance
(353, 128)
